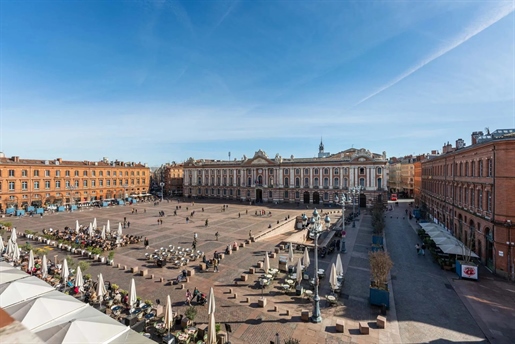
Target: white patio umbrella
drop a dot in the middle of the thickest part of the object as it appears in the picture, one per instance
(31, 261)
(211, 330)
(103, 234)
(14, 236)
(290, 254)
(339, 265)
(95, 223)
(10, 248)
(77, 226)
(267, 263)
(132, 295)
(108, 227)
(2, 246)
(333, 277)
(79, 280)
(168, 320)
(91, 232)
(16, 251)
(305, 260)
(119, 233)
(44, 267)
(65, 273)
(101, 288)
(299, 271)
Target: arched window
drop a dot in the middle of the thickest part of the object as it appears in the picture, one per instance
(361, 170)
(326, 196)
(306, 182)
(326, 182)
(316, 182)
(315, 171)
(379, 183)
(286, 181)
(306, 171)
(297, 195)
(297, 171)
(346, 170)
(345, 182)
(260, 180)
(336, 170)
(379, 170)
(326, 171)
(297, 182)
(362, 182)
(336, 181)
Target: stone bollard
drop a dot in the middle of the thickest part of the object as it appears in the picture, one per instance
(276, 309)
(288, 312)
(182, 286)
(119, 266)
(252, 271)
(125, 267)
(276, 250)
(260, 265)
(381, 321)
(340, 326)
(262, 302)
(152, 276)
(230, 290)
(247, 300)
(363, 328)
(304, 316)
(143, 272)
(235, 295)
(273, 255)
(135, 269)
(244, 277)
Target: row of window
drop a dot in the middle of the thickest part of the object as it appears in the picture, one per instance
(286, 171)
(462, 169)
(259, 181)
(286, 193)
(68, 184)
(468, 197)
(67, 173)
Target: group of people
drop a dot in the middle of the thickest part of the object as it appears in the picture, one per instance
(83, 239)
(200, 297)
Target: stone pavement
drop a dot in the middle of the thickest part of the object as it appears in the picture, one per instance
(422, 317)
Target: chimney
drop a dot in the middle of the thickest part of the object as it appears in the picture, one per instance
(475, 136)
(59, 160)
(16, 158)
(460, 144)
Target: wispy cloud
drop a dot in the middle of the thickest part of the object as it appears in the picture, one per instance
(489, 17)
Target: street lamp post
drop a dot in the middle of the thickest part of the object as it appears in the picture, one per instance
(343, 249)
(72, 189)
(162, 186)
(354, 192)
(125, 186)
(317, 228)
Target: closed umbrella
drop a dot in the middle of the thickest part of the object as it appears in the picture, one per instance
(211, 330)
(108, 227)
(31, 261)
(79, 280)
(65, 272)
(91, 232)
(267, 263)
(14, 236)
(16, 251)
(132, 295)
(101, 288)
(44, 267)
(290, 254)
(10, 248)
(119, 233)
(305, 260)
(333, 277)
(77, 227)
(95, 223)
(299, 271)
(103, 234)
(339, 266)
(168, 321)
(2, 246)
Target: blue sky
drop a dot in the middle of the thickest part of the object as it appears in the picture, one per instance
(158, 81)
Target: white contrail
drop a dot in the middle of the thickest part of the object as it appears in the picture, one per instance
(485, 21)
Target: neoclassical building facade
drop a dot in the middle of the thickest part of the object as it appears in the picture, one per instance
(289, 180)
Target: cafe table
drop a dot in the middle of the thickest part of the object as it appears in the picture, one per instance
(331, 299)
(289, 282)
(308, 294)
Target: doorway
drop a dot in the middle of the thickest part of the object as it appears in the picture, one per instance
(259, 196)
(306, 197)
(316, 198)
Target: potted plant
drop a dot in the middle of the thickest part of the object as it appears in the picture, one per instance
(380, 266)
(148, 304)
(110, 257)
(115, 286)
(87, 277)
(190, 314)
(378, 223)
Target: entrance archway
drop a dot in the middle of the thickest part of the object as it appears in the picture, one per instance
(362, 200)
(259, 196)
(306, 197)
(316, 198)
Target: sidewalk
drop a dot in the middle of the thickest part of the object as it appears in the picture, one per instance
(490, 301)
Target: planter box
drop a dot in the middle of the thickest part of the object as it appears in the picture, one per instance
(379, 297)
(377, 240)
(467, 270)
(376, 248)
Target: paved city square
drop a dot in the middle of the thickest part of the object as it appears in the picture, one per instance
(429, 304)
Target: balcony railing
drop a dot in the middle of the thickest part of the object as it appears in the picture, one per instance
(336, 187)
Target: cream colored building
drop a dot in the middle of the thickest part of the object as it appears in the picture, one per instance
(290, 180)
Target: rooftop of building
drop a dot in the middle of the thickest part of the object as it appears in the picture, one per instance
(105, 162)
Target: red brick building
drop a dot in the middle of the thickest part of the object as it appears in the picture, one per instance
(32, 182)
(471, 191)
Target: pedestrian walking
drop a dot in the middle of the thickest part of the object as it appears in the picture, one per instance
(423, 249)
(215, 264)
(246, 212)
(250, 234)
(194, 245)
(128, 224)
(216, 236)
(188, 297)
(195, 236)
(239, 215)
(417, 246)
(158, 222)
(146, 243)
(187, 220)
(207, 222)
